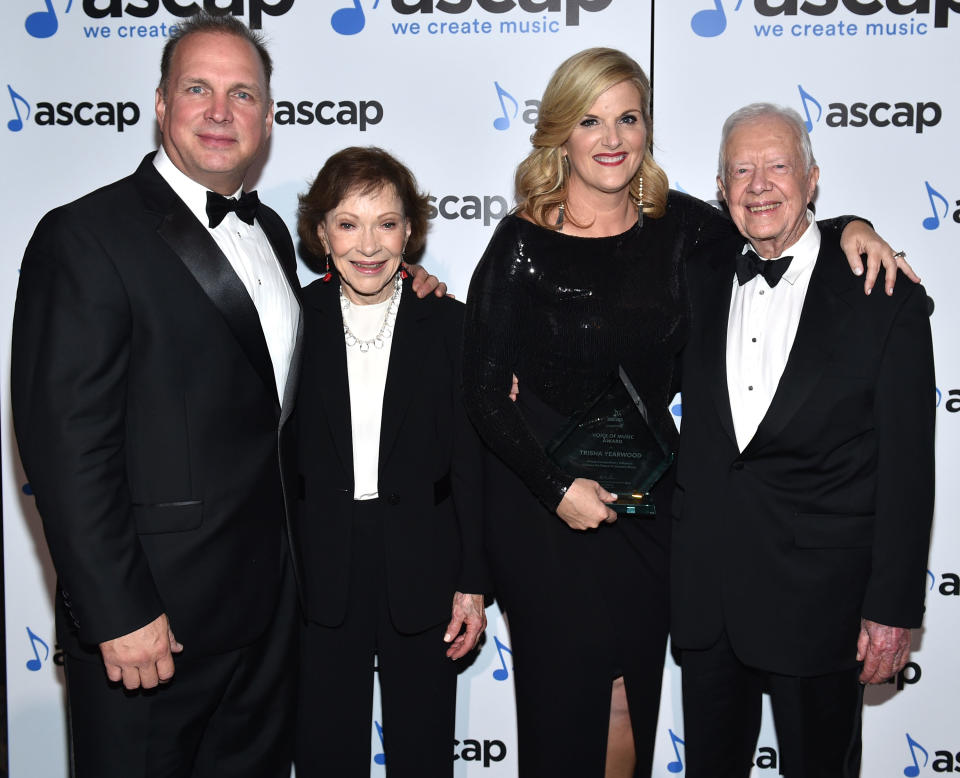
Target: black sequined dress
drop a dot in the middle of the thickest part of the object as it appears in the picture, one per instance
(562, 312)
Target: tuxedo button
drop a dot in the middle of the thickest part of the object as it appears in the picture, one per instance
(738, 465)
(393, 499)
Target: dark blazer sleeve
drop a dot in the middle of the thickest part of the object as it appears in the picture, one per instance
(70, 356)
(905, 417)
(466, 471)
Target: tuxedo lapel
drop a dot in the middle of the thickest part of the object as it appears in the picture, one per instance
(716, 312)
(279, 239)
(822, 319)
(200, 254)
(402, 381)
(326, 342)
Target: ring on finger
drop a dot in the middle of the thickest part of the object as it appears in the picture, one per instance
(900, 255)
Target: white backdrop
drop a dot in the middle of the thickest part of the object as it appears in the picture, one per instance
(451, 87)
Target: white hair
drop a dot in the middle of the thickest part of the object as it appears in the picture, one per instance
(756, 111)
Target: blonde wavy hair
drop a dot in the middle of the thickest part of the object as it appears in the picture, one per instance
(542, 178)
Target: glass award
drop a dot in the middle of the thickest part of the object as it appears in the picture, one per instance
(611, 442)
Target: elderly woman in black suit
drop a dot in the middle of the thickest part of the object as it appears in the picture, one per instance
(391, 478)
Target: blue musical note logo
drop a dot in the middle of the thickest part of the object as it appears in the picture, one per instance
(43, 24)
(503, 122)
(501, 673)
(36, 663)
(913, 770)
(807, 99)
(350, 20)
(15, 125)
(711, 22)
(676, 766)
(380, 758)
(932, 222)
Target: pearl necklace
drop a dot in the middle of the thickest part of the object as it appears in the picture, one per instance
(386, 328)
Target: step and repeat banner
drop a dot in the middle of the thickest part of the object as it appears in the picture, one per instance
(452, 88)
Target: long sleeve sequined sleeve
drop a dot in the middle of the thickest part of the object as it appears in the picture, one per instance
(490, 354)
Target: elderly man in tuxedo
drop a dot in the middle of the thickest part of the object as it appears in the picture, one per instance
(805, 476)
(156, 340)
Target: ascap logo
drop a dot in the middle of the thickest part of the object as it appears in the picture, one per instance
(362, 113)
(887, 18)
(941, 8)
(510, 109)
(45, 23)
(570, 8)
(943, 761)
(488, 208)
(948, 585)
(881, 114)
(952, 405)
(254, 9)
(120, 114)
(939, 207)
(542, 16)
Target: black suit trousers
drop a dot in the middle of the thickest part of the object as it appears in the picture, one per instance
(817, 718)
(227, 715)
(418, 683)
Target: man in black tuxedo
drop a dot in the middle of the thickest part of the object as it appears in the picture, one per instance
(805, 476)
(156, 341)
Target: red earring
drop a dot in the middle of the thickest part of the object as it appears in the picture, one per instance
(327, 274)
(403, 268)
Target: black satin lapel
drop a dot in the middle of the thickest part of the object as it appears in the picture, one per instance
(208, 265)
(293, 374)
(326, 341)
(402, 373)
(717, 305)
(822, 319)
(279, 238)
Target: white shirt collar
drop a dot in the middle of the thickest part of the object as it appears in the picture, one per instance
(804, 251)
(188, 190)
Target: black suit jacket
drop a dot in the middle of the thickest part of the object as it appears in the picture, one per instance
(430, 473)
(148, 419)
(824, 518)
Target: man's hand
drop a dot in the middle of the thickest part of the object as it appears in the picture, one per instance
(859, 238)
(144, 657)
(584, 505)
(424, 283)
(883, 650)
(468, 610)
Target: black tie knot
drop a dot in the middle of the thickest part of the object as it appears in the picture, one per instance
(219, 206)
(750, 265)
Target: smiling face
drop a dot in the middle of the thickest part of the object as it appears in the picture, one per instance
(766, 184)
(215, 114)
(607, 146)
(365, 236)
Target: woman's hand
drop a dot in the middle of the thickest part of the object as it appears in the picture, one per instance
(860, 238)
(584, 505)
(467, 610)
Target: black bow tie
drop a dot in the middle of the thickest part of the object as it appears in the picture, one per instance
(219, 206)
(750, 265)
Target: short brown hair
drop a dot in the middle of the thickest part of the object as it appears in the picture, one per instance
(361, 170)
(219, 23)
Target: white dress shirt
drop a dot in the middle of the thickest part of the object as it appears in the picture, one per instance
(251, 256)
(761, 326)
(367, 377)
